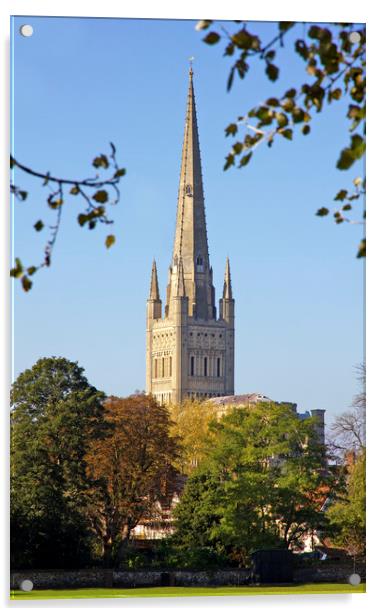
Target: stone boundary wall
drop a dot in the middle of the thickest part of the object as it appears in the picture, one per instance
(326, 571)
(107, 578)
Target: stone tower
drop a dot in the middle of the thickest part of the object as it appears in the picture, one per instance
(189, 350)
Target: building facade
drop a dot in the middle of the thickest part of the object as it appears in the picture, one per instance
(189, 348)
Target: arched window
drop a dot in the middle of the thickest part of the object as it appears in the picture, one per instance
(205, 366)
(163, 374)
(170, 370)
(155, 368)
(192, 366)
(218, 366)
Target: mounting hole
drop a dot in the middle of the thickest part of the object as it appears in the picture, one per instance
(26, 585)
(354, 579)
(26, 30)
(354, 37)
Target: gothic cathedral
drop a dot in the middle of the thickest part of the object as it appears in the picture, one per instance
(189, 350)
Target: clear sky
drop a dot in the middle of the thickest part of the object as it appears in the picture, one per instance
(80, 83)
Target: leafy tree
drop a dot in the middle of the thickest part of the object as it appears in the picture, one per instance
(259, 485)
(335, 61)
(94, 193)
(130, 469)
(55, 414)
(348, 431)
(191, 419)
(347, 514)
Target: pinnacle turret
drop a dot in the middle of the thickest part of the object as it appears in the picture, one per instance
(154, 287)
(227, 286)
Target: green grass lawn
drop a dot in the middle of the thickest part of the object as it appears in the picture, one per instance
(178, 591)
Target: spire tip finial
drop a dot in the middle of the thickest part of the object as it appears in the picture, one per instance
(191, 59)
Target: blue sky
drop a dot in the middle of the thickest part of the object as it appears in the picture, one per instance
(80, 83)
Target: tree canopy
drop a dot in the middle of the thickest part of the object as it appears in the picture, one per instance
(347, 510)
(191, 419)
(262, 484)
(55, 414)
(334, 56)
(130, 469)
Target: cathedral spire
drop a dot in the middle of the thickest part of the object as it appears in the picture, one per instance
(190, 241)
(154, 287)
(227, 287)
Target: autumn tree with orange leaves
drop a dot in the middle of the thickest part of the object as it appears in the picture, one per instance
(129, 469)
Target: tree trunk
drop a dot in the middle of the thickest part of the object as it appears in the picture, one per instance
(107, 552)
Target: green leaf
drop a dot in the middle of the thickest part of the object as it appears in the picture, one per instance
(287, 133)
(245, 159)
(26, 283)
(282, 119)
(272, 72)
(241, 67)
(362, 249)
(341, 195)
(349, 155)
(345, 160)
(229, 50)
(323, 211)
(263, 113)
(101, 161)
(305, 129)
(335, 94)
(347, 207)
(54, 203)
(212, 38)
(273, 102)
(231, 129)
(39, 225)
(101, 196)
(314, 32)
(285, 25)
(82, 219)
(237, 147)
(298, 115)
(244, 40)
(75, 190)
(302, 49)
(119, 173)
(31, 270)
(229, 161)
(291, 93)
(18, 270)
(109, 241)
(288, 104)
(97, 212)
